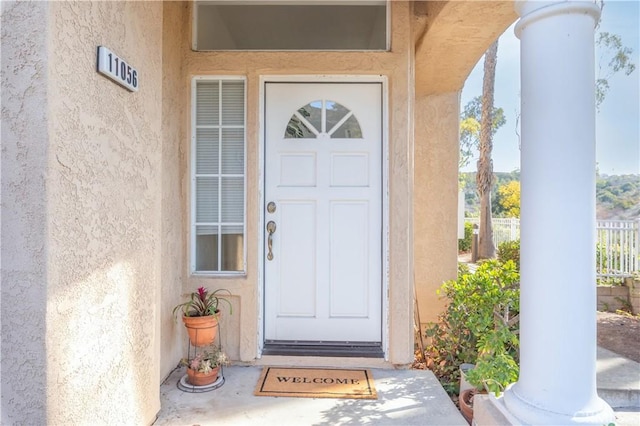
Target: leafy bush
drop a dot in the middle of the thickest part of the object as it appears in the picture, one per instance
(510, 250)
(464, 244)
(609, 281)
(496, 365)
(478, 322)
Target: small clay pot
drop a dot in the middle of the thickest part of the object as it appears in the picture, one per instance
(202, 379)
(202, 330)
(466, 404)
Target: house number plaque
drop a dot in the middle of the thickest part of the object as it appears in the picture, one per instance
(117, 69)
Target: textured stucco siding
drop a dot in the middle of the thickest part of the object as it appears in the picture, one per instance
(435, 199)
(83, 168)
(104, 203)
(175, 112)
(24, 224)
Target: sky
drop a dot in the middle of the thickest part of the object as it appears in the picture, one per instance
(617, 123)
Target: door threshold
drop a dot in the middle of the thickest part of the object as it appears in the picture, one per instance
(323, 349)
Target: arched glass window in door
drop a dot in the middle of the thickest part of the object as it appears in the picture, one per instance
(323, 118)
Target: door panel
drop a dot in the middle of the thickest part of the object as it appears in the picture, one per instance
(323, 172)
(349, 240)
(297, 285)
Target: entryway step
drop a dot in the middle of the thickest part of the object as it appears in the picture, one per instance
(618, 379)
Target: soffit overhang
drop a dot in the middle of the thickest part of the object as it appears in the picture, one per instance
(450, 38)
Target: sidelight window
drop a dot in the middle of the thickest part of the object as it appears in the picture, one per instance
(218, 175)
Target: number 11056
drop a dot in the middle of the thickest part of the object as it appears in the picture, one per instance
(117, 69)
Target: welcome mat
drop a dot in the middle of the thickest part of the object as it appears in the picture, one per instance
(316, 383)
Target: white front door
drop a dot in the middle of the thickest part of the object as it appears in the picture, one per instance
(323, 212)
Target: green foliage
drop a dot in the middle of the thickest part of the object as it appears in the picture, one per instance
(479, 319)
(202, 303)
(626, 305)
(464, 244)
(510, 250)
(617, 196)
(469, 135)
(495, 367)
(474, 109)
(614, 57)
(508, 198)
(610, 281)
(472, 201)
(470, 128)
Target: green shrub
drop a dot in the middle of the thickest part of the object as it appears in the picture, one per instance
(477, 322)
(496, 365)
(609, 281)
(464, 244)
(510, 250)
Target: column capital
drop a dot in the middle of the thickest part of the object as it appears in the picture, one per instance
(531, 11)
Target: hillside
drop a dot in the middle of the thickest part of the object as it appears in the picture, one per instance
(617, 196)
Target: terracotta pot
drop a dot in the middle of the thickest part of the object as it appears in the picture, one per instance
(464, 369)
(202, 379)
(202, 330)
(466, 403)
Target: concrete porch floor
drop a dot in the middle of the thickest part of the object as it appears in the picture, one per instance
(405, 397)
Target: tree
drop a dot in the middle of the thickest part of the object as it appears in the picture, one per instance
(509, 198)
(484, 177)
(470, 128)
(617, 58)
(469, 135)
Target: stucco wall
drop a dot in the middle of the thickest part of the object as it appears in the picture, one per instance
(23, 230)
(104, 215)
(435, 198)
(175, 86)
(240, 336)
(81, 250)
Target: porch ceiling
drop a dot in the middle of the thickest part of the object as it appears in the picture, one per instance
(450, 38)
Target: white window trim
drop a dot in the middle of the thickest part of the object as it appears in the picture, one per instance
(192, 183)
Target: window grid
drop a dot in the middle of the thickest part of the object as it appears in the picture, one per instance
(220, 177)
(346, 126)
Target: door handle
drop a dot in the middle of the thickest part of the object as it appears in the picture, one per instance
(271, 229)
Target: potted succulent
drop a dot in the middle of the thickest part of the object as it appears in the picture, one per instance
(203, 369)
(200, 315)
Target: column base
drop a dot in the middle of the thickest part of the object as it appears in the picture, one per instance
(517, 410)
(489, 410)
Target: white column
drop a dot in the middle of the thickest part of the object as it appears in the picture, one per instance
(557, 382)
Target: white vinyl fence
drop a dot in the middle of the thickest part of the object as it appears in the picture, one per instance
(617, 248)
(504, 229)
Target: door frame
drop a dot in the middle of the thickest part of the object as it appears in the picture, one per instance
(264, 79)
